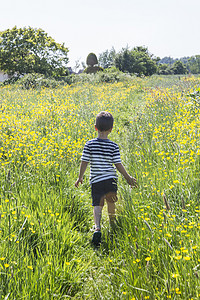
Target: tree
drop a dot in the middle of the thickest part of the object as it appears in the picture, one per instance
(179, 68)
(194, 64)
(91, 60)
(167, 60)
(164, 69)
(107, 58)
(92, 63)
(137, 61)
(27, 50)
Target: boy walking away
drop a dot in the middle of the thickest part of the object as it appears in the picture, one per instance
(103, 154)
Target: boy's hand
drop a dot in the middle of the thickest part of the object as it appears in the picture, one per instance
(83, 167)
(132, 181)
(79, 180)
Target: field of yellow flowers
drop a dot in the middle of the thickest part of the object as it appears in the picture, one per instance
(45, 222)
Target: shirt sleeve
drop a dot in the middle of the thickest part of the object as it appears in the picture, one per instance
(116, 155)
(86, 153)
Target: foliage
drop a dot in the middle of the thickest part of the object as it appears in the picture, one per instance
(137, 61)
(193, 64)
(37, 81)
(91, 60)
(107, 58)
(167, 60)
(109, 75)
(28, 50)
(112, 75)
(164, 69)
(179, 68)
(195, 96)
(94, 69)
(168, 65)
(176, 68)
(11, 80)
(45, 250)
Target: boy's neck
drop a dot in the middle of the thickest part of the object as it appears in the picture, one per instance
(103, 135)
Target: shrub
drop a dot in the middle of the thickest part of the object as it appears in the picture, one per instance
(109, 75)
(93, 70)
(112, 75)
(91, 60)
(82, 78)
(11, 80)
(34, 80)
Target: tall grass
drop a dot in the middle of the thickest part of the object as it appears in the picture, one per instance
(45, 222)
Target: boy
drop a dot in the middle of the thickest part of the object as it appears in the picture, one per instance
(102, 153)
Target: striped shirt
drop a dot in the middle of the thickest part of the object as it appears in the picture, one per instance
(101, 154)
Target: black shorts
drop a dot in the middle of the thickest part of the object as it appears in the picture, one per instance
(105, 189)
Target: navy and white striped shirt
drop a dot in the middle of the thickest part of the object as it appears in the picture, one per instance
(101, 154)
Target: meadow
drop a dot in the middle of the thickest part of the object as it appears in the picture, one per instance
(45, 222)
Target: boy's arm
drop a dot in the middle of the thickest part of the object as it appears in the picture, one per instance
(131, 180)
(83, 167)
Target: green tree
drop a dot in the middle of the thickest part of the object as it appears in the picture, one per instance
(193, 64)
(107, 58)
(28, 50)
(164, 69)
(167, 60)
(92, 63)
(179, 68)
(137, 61)
(91, 60)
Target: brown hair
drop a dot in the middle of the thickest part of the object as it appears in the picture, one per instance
(104, 121)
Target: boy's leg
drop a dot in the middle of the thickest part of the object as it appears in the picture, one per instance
(111, 198)
(111, 212)
(96, 239)
(97, 202)
(97, 216)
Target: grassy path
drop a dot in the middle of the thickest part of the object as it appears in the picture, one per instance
(45, 250)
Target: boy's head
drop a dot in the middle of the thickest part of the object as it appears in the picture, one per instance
(104, 121)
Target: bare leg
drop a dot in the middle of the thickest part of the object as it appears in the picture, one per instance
(97, 216)
(111, 212)
(111, 199)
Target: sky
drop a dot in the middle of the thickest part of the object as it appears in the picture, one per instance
(165, 27)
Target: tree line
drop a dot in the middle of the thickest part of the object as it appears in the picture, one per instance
(138, 60)
(30, 50)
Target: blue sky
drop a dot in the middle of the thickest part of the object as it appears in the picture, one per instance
(167, 28)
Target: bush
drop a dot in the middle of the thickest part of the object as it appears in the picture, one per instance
(112, 75)
(91, 69)
(109, 75)
(82, 78)
(34, 80)
(91, 60)
(11, 80)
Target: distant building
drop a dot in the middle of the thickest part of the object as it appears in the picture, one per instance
(3, 76)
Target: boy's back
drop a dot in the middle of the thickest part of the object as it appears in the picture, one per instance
(102, 154)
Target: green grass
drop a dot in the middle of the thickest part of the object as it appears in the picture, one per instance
(45, 222)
